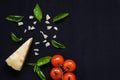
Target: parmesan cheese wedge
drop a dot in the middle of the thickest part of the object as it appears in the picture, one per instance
(17, 59)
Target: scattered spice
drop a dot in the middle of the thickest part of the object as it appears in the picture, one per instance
(47, 22)
(47, 44)
(44, 41)
(36, 43)
(36, 50)
(47, 17)
(36, 54)
(20, 23)
(35, 22)
(49, 27)
(25, 30)
(31, 17)
(38, 15)
(32, 28)
(29, 27)
(54, 36)
(55, 28)
(44, 35)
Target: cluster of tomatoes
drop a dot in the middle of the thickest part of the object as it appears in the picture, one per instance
(63, 69)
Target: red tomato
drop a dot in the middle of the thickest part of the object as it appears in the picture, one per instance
(56, 73)
(69, 76)
(69, 65)
(57, 60)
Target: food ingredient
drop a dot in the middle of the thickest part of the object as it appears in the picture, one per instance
(40, 62)
(20, 23)
(57, 45)
(31, 17)
(47, 17)
(69, 65)
(47, 22)
(44, 35)
(38, 12)
(44, 60)
(60, 17)
(56, 73)
(39, 73)
(14, 18)
(15, 38)
(62, 70)
(17, 59)
(57, 60)
(55, 28)
(69, 76)
(47, 44)
(54, 36)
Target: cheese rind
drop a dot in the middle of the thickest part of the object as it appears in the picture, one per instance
(17, 59)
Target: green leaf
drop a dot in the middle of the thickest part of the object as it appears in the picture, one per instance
(15, 38)
(57, 45)
(40, 62)
(35, 68)
(31, 64)
(60, 17)
(44, 60)
(38, 12)
(40, 73)
(14, 18)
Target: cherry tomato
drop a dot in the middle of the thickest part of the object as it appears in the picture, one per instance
(69, 76)
(56, 73)
(69, 65)
(57, 60)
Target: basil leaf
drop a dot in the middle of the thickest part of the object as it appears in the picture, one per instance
(37, 12)
(15, 38)
(40, 73)
(57, 45)
(44, 60)
(14, 18)
(60, 17)
(31, 64)
(35, 67)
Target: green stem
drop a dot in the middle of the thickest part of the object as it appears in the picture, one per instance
(40, 73)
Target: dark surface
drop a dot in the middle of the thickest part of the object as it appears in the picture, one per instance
(91, 34)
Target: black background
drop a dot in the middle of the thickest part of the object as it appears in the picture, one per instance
(91, 34)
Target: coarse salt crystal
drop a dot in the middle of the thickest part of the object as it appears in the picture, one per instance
(35, 49)
(41, 32)
(36, 54)
(54, 36)
(44, 35)
(31, 17)
(47, 22)
(47, 17)
(29, 27)
(55, 28)
(44, 41)
(20, 23)
(49, 27)
(25, 30)
(35, 22)
(32, 28)
(47, 44)
(36, 43)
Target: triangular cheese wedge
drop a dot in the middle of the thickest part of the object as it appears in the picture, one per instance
(17, 59)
